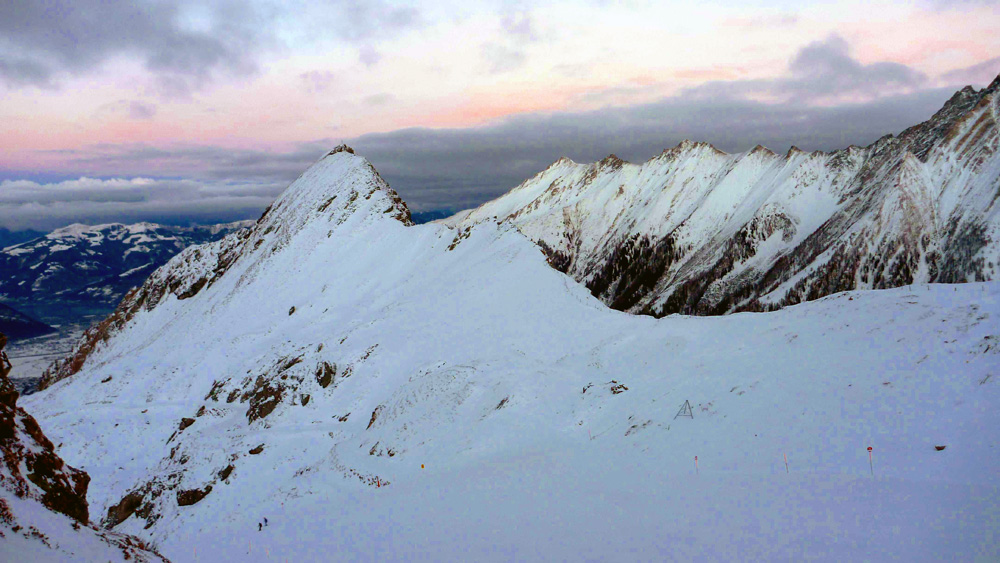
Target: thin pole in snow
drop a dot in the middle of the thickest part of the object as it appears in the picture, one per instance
(870, 464)
(695, 465)
(786, 463)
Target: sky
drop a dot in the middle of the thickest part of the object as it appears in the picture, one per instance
(199, 112)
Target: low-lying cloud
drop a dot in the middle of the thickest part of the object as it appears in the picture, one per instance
(30, 205)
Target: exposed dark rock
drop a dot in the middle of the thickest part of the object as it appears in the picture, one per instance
(378, 410)
(264, 398)
(225, 472)
(192, 496)
(325, 372)
(126, 507)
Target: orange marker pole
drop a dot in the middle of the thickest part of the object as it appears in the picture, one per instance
(696, 465)
(786, 463)
(870, 464)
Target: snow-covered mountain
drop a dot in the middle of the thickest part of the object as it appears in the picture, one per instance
(93, 266)
(43, 501)
(10, 238)
(698, 231)
(381, 390)
(16, 325)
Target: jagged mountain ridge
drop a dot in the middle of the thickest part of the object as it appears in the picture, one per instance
(93, 266)
(308, 370)
(698, 231)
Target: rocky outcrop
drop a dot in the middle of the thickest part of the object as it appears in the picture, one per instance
(192, 496)
(31, 468)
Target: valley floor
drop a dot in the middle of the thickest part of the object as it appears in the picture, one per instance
(31, 356)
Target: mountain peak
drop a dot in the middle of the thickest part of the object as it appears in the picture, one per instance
(612, 160)
(340, 148)
(687, 145)
(993, 87)
(761, 149)
(338, 185)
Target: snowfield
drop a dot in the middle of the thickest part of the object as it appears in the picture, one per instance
(381, 391)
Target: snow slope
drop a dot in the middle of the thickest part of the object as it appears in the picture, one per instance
(385, 391)
(43, 504)
(698, 231)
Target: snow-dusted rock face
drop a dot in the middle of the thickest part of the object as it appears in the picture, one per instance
(698, 231)
(385, 391)
(312, 196)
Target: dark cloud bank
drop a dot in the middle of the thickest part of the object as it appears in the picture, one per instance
(460, 168)
(182, 43)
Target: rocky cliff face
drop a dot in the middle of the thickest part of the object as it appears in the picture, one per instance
(31, 467)
(698, 231)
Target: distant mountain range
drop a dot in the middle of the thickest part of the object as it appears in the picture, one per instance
(83, 268)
